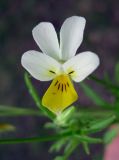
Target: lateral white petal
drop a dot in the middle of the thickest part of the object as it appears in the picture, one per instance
(82, 65)
(40, 66)
(71, 36)
(46, 38)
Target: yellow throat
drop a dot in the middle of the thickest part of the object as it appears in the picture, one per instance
(60, 94)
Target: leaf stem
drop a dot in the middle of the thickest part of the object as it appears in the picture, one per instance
(36, 97)
(17, 111)
(34, 139)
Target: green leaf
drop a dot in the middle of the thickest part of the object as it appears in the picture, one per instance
(91, 113)
(71, 146)
(50, 125)
(93, 95)
(17, 111)
(83, 138)
(65, 116)
(110, 135)
(34, 139)
(100, 124)
(86, 148)
(56, 147)
(36, 97)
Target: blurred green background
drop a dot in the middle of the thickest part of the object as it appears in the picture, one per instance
(17, 19)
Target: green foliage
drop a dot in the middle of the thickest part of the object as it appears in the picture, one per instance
(58, 145)
(33, 92)
(110, 135)
(75, 125)
(98, 100)
(17, 111)
(64, 118)
(100, 124)
(86, 148)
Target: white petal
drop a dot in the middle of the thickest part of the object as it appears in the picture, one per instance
(40, 66)
(82, 65)
(46, 38)
(71, 36)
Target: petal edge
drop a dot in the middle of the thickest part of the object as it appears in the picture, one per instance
(40, 66)
(46, 38)
(71, 36)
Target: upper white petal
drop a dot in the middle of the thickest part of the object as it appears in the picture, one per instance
(46, 38)
(40, 66)
(82, 65)
(71, 36)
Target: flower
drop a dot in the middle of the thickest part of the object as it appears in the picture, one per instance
(58, 61)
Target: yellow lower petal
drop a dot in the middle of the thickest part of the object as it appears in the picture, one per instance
(60, 94)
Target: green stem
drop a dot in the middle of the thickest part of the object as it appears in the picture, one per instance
(36, 97)
(17, 111)
(34, 139)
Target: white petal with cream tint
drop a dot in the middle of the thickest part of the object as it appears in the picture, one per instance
(46, 38)
(40, 66)
(71, 36)
(81, 66)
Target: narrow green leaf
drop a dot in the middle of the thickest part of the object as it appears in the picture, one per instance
(93, 95)
(36, 97)
(34, 139)
(56, 147)
(17, 111)
(71, 146)
(65, 116)
(83, 138)
(110, 135)
(91, 113)
(100, 124)
(50, 125)
(86, 148)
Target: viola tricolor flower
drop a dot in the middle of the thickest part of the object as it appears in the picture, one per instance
(58, 61)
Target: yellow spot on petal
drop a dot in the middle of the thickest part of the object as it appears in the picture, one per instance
(71, 72)
(60, 94)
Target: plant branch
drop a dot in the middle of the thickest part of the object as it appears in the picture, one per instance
(34, 139)
(17, 111)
